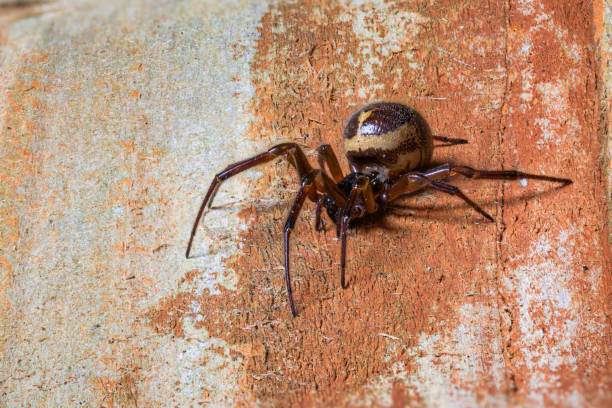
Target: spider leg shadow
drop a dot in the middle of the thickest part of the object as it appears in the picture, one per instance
(441, 213)
(225, 210)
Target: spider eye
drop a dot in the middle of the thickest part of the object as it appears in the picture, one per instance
(358, 211)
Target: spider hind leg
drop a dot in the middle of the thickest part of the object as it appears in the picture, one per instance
(448, 141)
(505, 175)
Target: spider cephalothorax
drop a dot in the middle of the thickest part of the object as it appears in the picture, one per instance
(389, 148)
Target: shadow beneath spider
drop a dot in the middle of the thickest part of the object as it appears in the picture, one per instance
(434, 212)
(379, 220)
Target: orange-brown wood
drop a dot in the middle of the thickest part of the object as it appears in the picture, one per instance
(513, 311)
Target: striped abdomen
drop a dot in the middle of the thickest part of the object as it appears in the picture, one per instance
(387, 138)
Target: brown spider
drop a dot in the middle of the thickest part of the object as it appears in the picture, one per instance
(389, 148)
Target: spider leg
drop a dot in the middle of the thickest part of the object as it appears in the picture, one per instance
(452, 190)
(503, 175)
(446, 170)
(414, 181)
(449, 141)
(361, 187)
(407, 183)
(326, 155)
(489, 174)
(304, 191)
(297, 159)
(315, 181)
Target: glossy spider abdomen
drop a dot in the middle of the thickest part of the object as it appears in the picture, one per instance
(386, 139)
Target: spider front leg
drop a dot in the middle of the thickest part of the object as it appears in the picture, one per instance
(316, 180)
(303, 192)
(354, 209)
(297, 159)
(326, 155)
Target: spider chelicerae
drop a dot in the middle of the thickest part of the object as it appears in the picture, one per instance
(389, 149)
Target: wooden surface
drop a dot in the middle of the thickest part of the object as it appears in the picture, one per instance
(116, 115)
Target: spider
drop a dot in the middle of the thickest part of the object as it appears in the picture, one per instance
(389, 148)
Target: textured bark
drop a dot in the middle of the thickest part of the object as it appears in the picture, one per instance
(116, 115)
